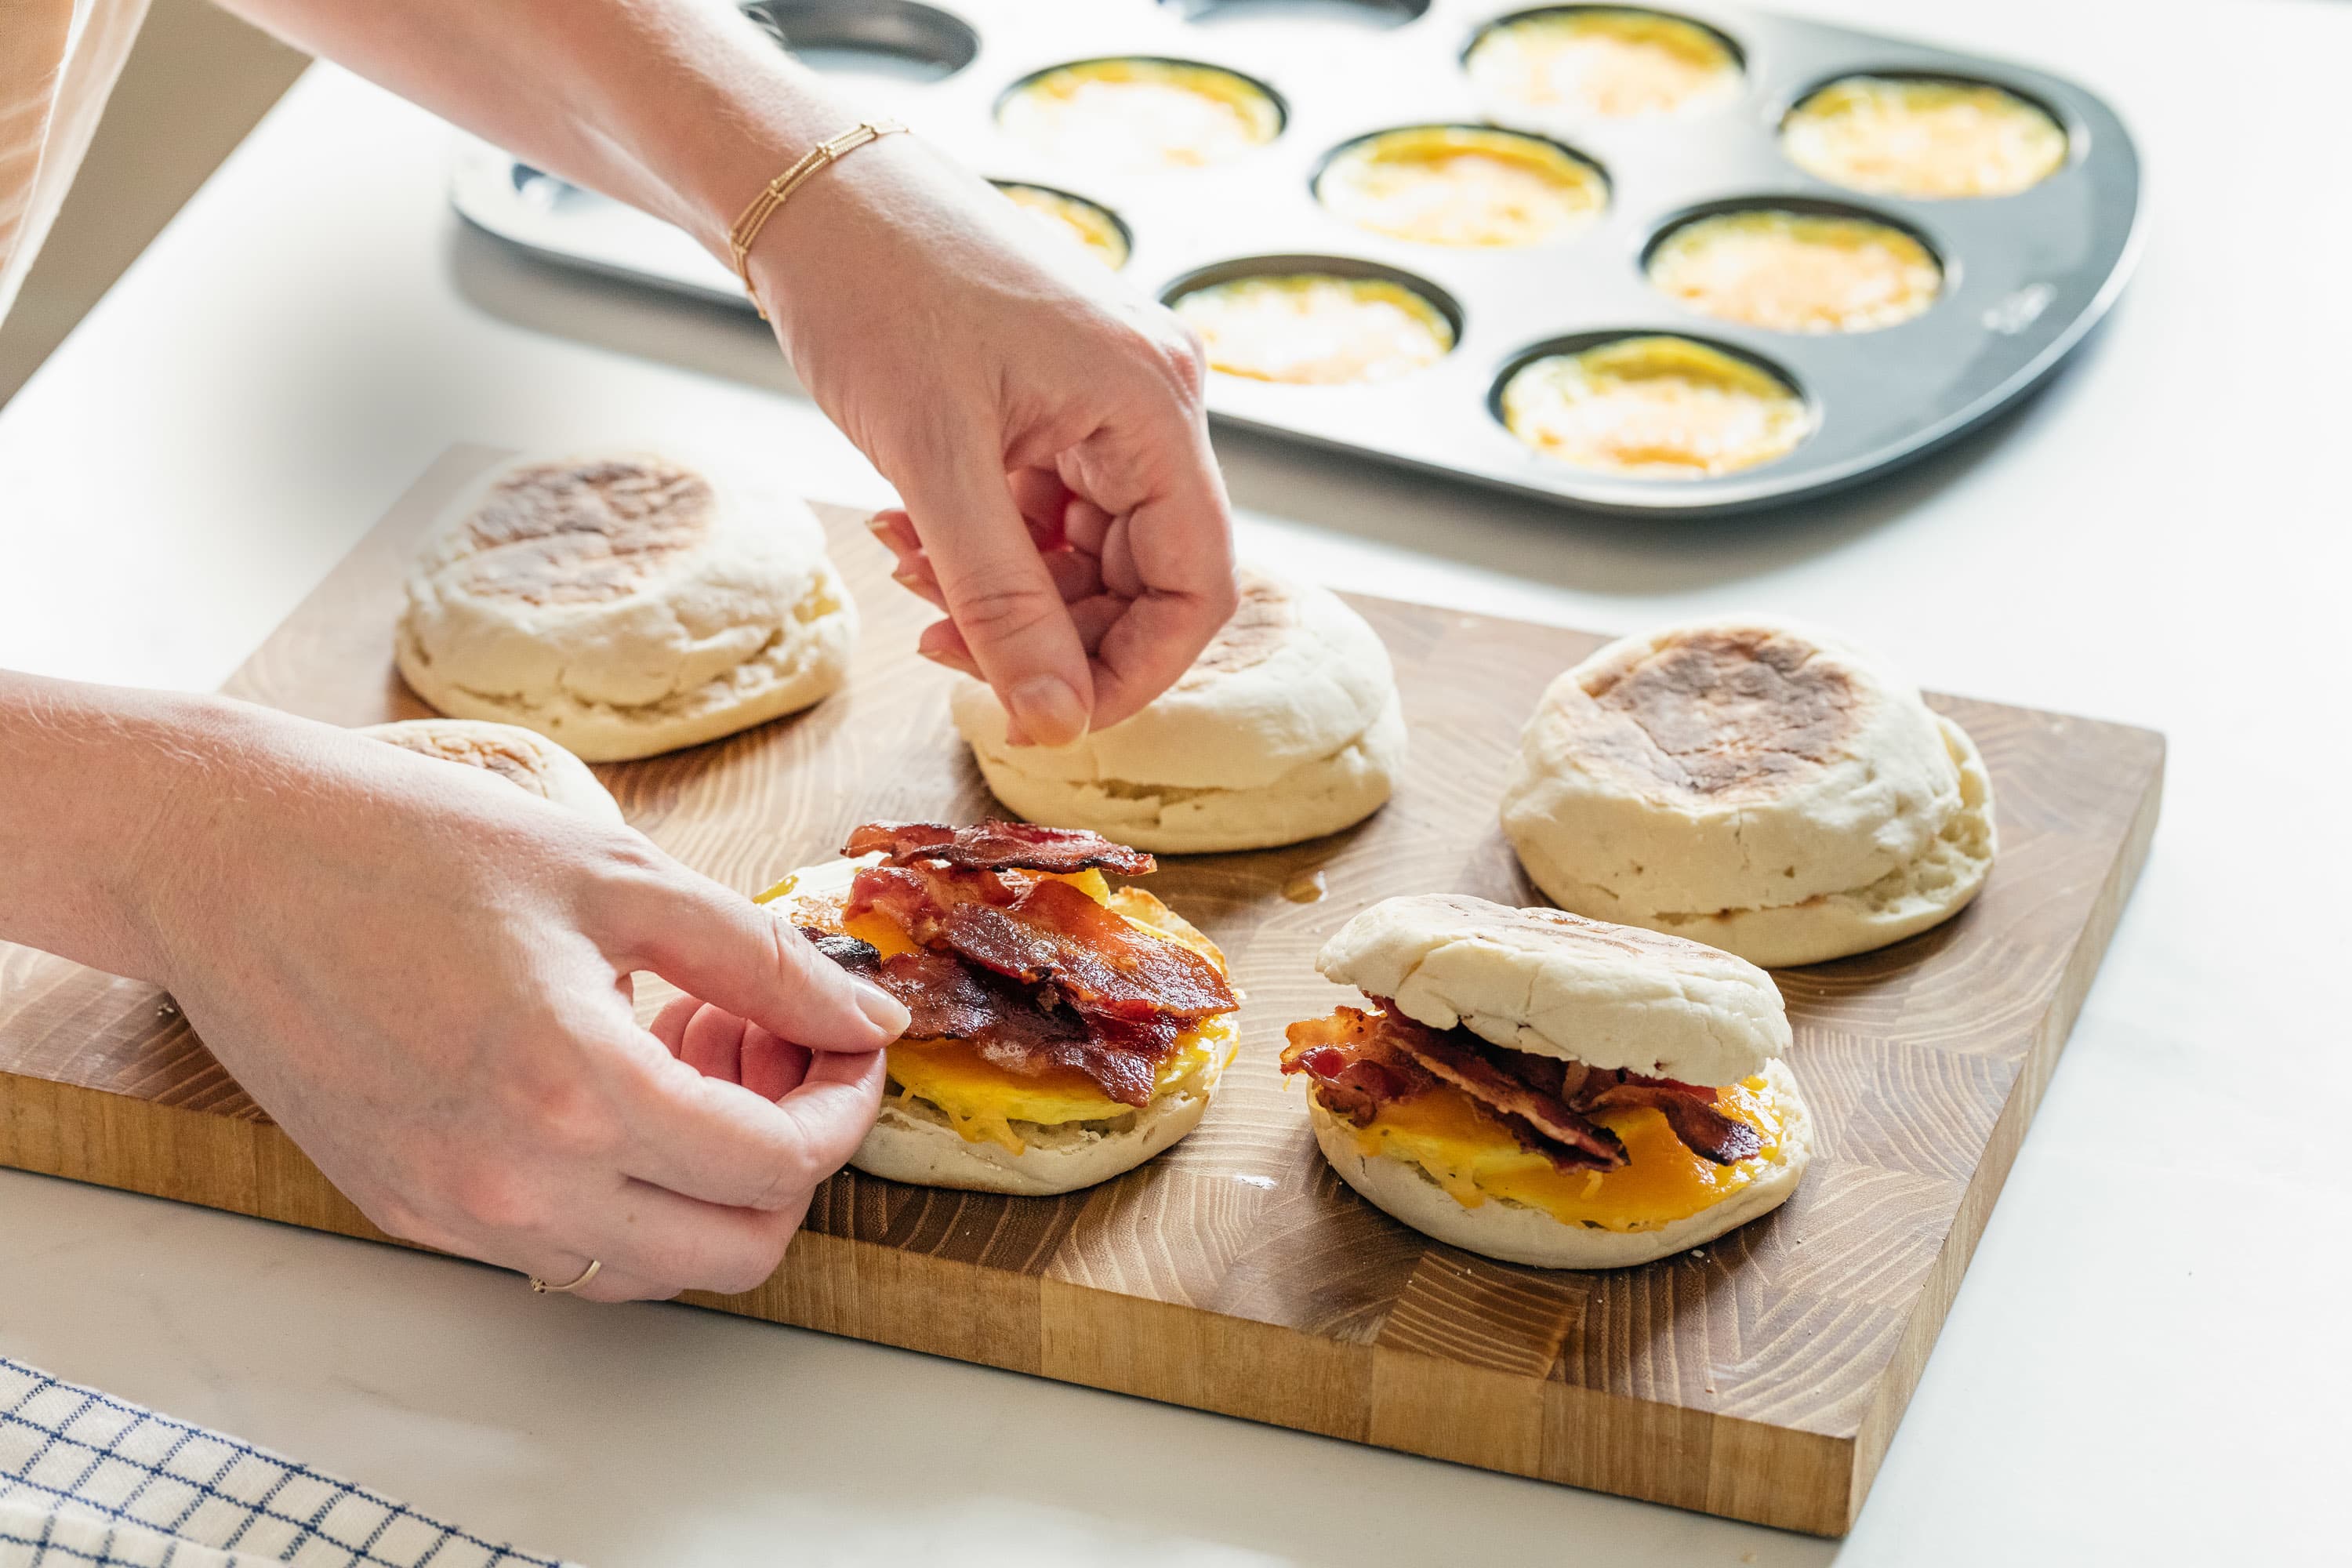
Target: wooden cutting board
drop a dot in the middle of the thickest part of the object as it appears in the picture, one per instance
(1760, 1378)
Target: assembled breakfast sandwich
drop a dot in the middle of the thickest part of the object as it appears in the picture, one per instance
(1064, 1031)
(1753, 784)
(1550, 1089)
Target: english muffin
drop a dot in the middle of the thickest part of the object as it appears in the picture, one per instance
(1759, 787)
(1285, 728)
(525, 760)
(624, 603)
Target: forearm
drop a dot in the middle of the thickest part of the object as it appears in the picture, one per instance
(682, 108)
(91, 779)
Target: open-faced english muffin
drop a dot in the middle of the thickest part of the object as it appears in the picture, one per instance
(1548, 1090)
(1760, 787)
(1064, 1031)
(624, 603)
(527, 760)
(1284, 729)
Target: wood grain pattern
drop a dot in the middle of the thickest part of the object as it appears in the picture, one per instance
(1760, 1377)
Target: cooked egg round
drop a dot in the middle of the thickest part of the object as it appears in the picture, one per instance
(1604, 61)
(1923, 136)
(1315, 328)
(1139, 115)
(1091, 228)
(1654, 407)
(1470, 1154)
(1462, 185)
(1797, 272)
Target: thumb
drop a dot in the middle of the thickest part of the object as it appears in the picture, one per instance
(999, 593)
(750, 960)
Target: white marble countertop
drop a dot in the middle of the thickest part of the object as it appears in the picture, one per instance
(2145, 1364)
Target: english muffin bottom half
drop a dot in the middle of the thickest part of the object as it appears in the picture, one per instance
(1064, 1030)
(1551, 1090)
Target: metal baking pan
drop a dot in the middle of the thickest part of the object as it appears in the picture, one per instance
(2025, 275)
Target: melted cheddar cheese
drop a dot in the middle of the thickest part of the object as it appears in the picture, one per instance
(986, 1103)
(1467, 1152)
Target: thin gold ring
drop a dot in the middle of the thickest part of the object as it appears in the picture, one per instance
(542, 1288)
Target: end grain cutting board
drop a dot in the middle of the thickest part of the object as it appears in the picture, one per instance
(1759, 1378)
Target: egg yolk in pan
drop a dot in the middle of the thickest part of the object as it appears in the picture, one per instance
(1923, 136)
(1604, 61)
(1462, 185)
(1467, 1152)
(1315, 328)
(1654, 407)
(1797, 272)
(1139, 115)
(1094, 230)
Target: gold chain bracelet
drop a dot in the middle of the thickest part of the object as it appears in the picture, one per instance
(746, 232)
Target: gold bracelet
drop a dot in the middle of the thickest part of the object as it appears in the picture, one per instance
(746, 232)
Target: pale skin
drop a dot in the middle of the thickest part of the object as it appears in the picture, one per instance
(422, 973)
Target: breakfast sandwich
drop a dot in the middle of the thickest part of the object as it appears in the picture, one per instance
(1548, 1090)
(1762, 787)
(1287, 727)
(1064, 1030)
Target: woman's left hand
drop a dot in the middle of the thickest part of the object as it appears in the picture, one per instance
(1043, 424)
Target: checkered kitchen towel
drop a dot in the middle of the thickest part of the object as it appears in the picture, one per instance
(87, 1481)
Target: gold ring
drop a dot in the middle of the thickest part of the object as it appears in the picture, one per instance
(541, 1288)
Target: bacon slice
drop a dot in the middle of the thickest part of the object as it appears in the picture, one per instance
(1455, 1055)
(1691, 1113)
(1361, 1061)
(948, 999)
(997, 845)
(1102, 965)
(1355, 1065)
(917, 898)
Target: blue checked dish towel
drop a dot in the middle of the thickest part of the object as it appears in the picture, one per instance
(87, 1481)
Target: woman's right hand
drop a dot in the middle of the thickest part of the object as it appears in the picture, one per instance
(422, 973)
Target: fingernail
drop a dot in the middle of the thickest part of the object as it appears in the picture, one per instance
(882, 1010)
(1048, 711)
(876, 525)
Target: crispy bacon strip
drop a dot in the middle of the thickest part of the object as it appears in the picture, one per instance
(1355, 1067)
(1101, 964)
(997, 845)
(948, 999)
(1458, 1056)
(918, 899)
(1690, 1111)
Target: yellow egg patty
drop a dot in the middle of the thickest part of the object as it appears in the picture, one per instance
(1140, 114)
(1797, 272)
(1924, 137)
(1467, 1151)
(1462, 185)
(1654, 407)
(1604, 61)
(1094, 229)
(1317, 329)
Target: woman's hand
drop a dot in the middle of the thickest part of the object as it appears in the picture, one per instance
(422, 972)
(1042, 423)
